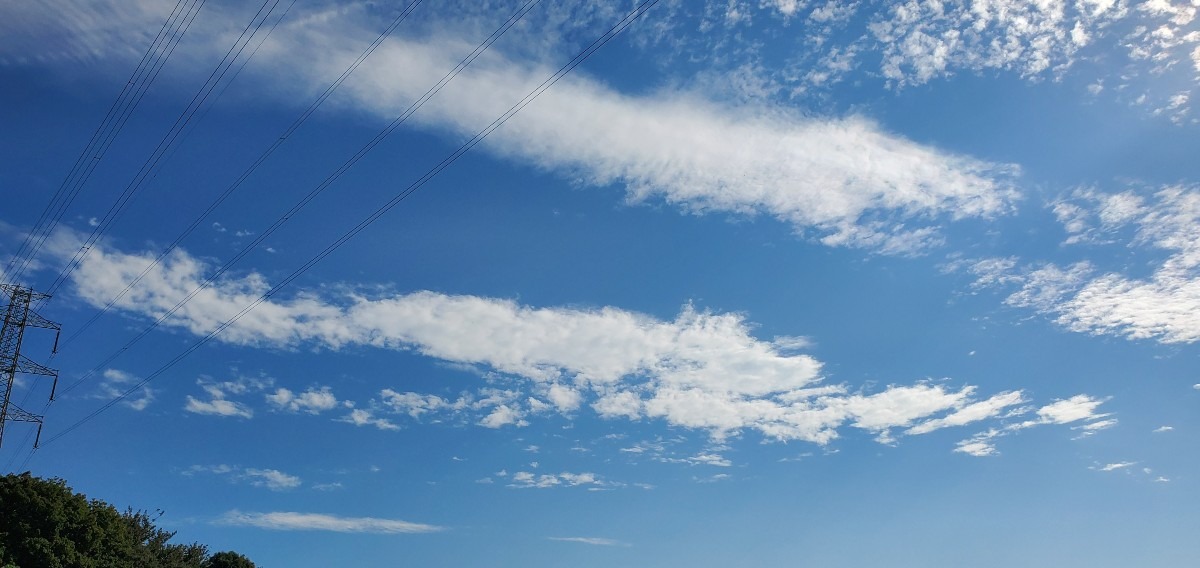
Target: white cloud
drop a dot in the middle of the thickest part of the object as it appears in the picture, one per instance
(95, 29)
(844, 180)
(411, 403)
(1079, 409)
(218, 404)
(900, 406)
(1149, 48)
(621, 404)
(272, 479)
(976, 447)
(502, 415)
(701, 369)
(364, 417)
(218, 407)
(1074, 409)
(713, 478)
(289, 521)
(710, 458)
(1115, 466)
(974, 412)
(1164, 306)
(116, 382)
(312, 401)
(1163, 429)
(564, 398)
(1099, 425)
(595, 541)
(219, 469)
(928, 39)
(525, 480)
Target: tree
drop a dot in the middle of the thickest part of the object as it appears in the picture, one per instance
(228, 559)
(44, 523)
(151, 544)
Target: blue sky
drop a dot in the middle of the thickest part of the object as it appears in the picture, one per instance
(757, 283)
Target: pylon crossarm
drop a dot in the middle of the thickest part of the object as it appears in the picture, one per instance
(17, 414)
(15, 288)
(31, 367)
(34, 319)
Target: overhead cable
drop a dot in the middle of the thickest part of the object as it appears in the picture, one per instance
(156, 55)
(325, 184)
(582, 56)
(181, 122)
(237, 183)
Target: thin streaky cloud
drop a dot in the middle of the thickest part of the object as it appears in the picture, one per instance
(595, 541)
(1084, 297)
(292, 521)
(1115, 466)
(844, 181)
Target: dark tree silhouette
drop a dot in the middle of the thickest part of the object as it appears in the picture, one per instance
(228, 559)
(44, 523)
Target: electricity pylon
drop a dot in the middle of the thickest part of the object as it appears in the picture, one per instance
(17, 317)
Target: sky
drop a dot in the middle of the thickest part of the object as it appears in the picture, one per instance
(721, 283)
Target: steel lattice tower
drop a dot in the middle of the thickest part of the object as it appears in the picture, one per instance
(18, 315)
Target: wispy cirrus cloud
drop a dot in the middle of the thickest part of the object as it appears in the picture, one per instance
(1082, 410)
(1115, 466)
(365, 417)
(293, 521)
(272, 479)
(1164, 306)
(65, 31)
(845, 181)
(594, 541)
(973, 412)
(115, 382)
(1150, 50)
(528, 480)
(218, 393)
(925, 39)
(218, 406)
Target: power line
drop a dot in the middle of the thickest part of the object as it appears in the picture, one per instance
(135, 81)
(325, 184)
(214, 79)
(157, 54)
(283, 137)
(600, 42)
(198, 100)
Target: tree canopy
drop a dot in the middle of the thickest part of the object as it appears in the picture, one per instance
(45, 524)
(228, 559)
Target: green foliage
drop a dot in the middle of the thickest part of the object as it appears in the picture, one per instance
(228, 559)
(44, 524)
